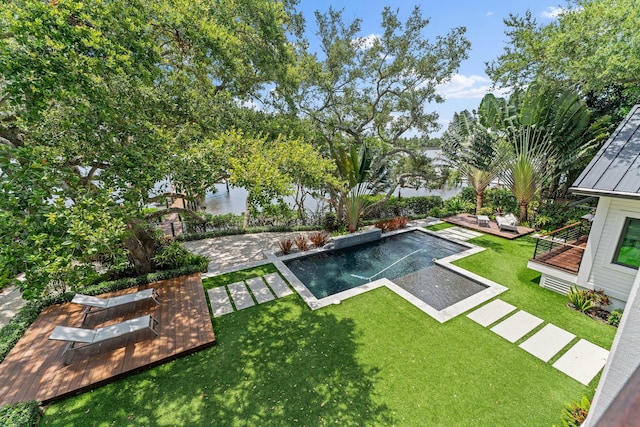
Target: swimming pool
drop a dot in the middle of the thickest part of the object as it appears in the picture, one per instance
(330, 272)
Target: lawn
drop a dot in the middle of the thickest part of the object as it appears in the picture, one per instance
(372, 360)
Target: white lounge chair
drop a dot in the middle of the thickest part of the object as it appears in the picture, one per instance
(508, 222)
(95, 304)
(79, 337)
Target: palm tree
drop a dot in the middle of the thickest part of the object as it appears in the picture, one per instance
(475, 152)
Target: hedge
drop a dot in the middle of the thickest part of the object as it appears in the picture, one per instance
(23, 414)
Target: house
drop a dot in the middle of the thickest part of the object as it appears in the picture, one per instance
(603, 253)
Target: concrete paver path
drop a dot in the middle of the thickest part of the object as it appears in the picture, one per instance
(220, 303)
(547, 342)
(260, 291)
(583, 361)
(515, 327)
(240, 295)
(492, 312)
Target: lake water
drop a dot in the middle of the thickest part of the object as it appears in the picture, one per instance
(233, 200)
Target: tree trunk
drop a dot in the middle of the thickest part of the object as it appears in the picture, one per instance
(523, 211)
(141, 246)
(479, 197)
(245, 223)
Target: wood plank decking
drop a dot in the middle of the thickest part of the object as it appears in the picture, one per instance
(34, 368)
(566, 258)
(470, 221)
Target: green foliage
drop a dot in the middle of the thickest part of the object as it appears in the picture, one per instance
(228, 220)
(106, 99)
(615, 317)
(605, 66)
(501, 200)
(456, 205)
(330, 222)
(575, 413)
(171, 255)
(581, 299)
(23, 414)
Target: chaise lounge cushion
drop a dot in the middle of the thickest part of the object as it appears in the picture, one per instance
(508, 222)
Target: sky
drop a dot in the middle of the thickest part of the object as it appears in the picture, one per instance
(483, 20)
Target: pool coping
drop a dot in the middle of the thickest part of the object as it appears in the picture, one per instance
(493, 289)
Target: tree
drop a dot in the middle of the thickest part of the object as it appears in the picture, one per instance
(549, 132)
(269, 169)
(375, 90)
(101, 101)
(592, 47)
(476, 153)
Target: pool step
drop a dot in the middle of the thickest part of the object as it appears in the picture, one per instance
(241, 294)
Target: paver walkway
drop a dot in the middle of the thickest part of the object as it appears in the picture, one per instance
(582, 361)
(458, 233)
(243, 296)
(10, 302)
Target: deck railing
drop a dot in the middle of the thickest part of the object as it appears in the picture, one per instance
(572, 238)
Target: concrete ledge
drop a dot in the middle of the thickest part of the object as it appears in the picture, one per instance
(357, 238)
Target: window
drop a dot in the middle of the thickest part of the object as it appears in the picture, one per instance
(628, 252)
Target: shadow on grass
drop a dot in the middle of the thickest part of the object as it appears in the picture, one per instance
(276, 364)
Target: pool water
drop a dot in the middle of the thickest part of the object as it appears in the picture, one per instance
(327, 273)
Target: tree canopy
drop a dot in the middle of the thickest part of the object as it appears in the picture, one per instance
(593, 47)
(100, 101)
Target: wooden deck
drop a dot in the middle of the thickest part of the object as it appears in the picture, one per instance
(470, 221)
(34, 368)
(566, 258)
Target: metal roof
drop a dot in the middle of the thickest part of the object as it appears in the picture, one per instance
(615, 170)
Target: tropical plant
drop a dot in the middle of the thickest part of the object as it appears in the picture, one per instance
(615, 317)
(319, 238)
(477, 154)
(286, 245)
(575, 413)
(171, 255)
(580, 299)
(301, 242)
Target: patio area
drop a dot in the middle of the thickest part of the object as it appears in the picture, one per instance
(34, 369)
(470, 221)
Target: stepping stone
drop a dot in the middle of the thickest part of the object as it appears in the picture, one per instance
(459, 233)
(241, 296)
(583, 361)
(547, 342)
(260, 290)
(490, 313)
(220, 303)
(278, 285)
(516, 326)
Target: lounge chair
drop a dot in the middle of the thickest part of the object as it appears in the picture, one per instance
(95, 304)
(86, 337)
(508, 222)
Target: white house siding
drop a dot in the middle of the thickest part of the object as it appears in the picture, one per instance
(623, 359)
(615, 280)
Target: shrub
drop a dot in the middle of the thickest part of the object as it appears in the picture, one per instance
(301, 242)
(23, 414)
(580, 299)
(500, 200)
(171, 255)
(330, 222)
(615, 317)
(556, 215)
(319, 238)
(575, 413)
(286, 245)
(599, 298)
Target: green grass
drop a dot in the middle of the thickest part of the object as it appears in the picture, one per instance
(440, 226)
(238, 276)
(374, 359)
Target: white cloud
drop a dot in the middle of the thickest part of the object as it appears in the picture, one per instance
(553, 12)
(468, 87)
(490, 13)
(366, 42)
